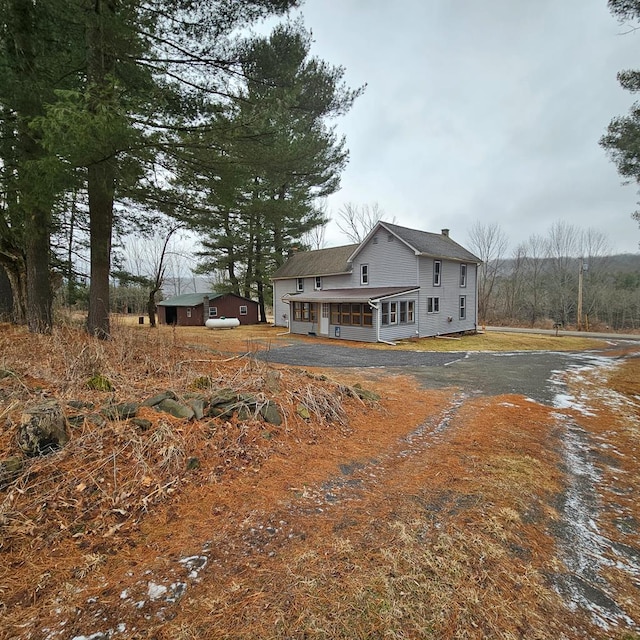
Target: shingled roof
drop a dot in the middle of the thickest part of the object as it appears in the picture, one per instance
(322, 262)
(435, 245)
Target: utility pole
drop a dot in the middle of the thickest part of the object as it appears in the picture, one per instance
(583, 268)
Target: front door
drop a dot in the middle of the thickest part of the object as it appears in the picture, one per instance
(324, 319)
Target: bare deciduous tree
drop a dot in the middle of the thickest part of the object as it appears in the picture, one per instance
(356, 221)
(489, 243)
(315, 238)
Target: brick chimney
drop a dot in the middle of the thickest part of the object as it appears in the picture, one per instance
(445, 233)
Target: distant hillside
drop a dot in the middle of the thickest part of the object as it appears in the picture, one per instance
(618, 263)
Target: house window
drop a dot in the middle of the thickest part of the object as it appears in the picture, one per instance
(299, 284)
(364, 274)
(463, 275)
(243, 309)
(213, 312)
(411, 315)
(433, 305)
(437, 273)
(351, 314)
(304, 312)
(463, 307)
(318, 283)
(389, 313)
(188, 312)
(407, 315)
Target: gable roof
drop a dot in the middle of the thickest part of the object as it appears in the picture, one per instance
(321, 262)
(424, 243)
(194, 299)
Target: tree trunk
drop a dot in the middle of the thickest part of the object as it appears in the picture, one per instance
(101, 173)
(32, 199)
(151, 307)
(100, 187)
(16, 270)
(39, 294)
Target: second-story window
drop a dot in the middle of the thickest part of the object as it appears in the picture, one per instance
(299, 284)
(437, 272)
(463, 275)
(318, 283)
(364, 274)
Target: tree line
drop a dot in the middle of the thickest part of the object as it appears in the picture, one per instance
(567, 277)
(142, 116)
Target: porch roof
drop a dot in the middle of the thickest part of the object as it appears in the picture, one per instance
(358, 294)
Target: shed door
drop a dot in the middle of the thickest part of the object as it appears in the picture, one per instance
(324, 319)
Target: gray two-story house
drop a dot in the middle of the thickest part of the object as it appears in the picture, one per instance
(398, 283)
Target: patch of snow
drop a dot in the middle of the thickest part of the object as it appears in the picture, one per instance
(194, 564)
(156, 591)
(584, 549)
(566, 401)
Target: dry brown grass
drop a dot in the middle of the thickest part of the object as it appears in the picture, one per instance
(423, 516)
(252, 337)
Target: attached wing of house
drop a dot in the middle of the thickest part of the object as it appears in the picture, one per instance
(398, 283)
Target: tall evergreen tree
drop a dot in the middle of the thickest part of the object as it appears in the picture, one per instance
(279, 157)
(30, 71)
(622, 139)
(149, 68)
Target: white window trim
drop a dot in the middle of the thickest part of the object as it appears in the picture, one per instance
(437, 273)
(364, 274)
(317, 283)
(435, 302)
(393, 313)
(243, 310)
(188, 312)
(462, 308)
(213, 312)
(463, 275)
(299, 284)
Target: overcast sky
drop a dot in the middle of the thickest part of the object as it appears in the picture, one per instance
(481, 111)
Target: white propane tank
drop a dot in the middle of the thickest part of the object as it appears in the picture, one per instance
(222, 323)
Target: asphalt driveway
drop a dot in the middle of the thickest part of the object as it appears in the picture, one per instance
(325, 355)
(531, 374)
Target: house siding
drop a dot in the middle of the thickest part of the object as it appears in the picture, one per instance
(449, 293)
(281, 311)
(359, 334)
(391, 263)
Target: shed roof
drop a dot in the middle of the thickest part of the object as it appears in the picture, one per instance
(321, 262)
(356, 294)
